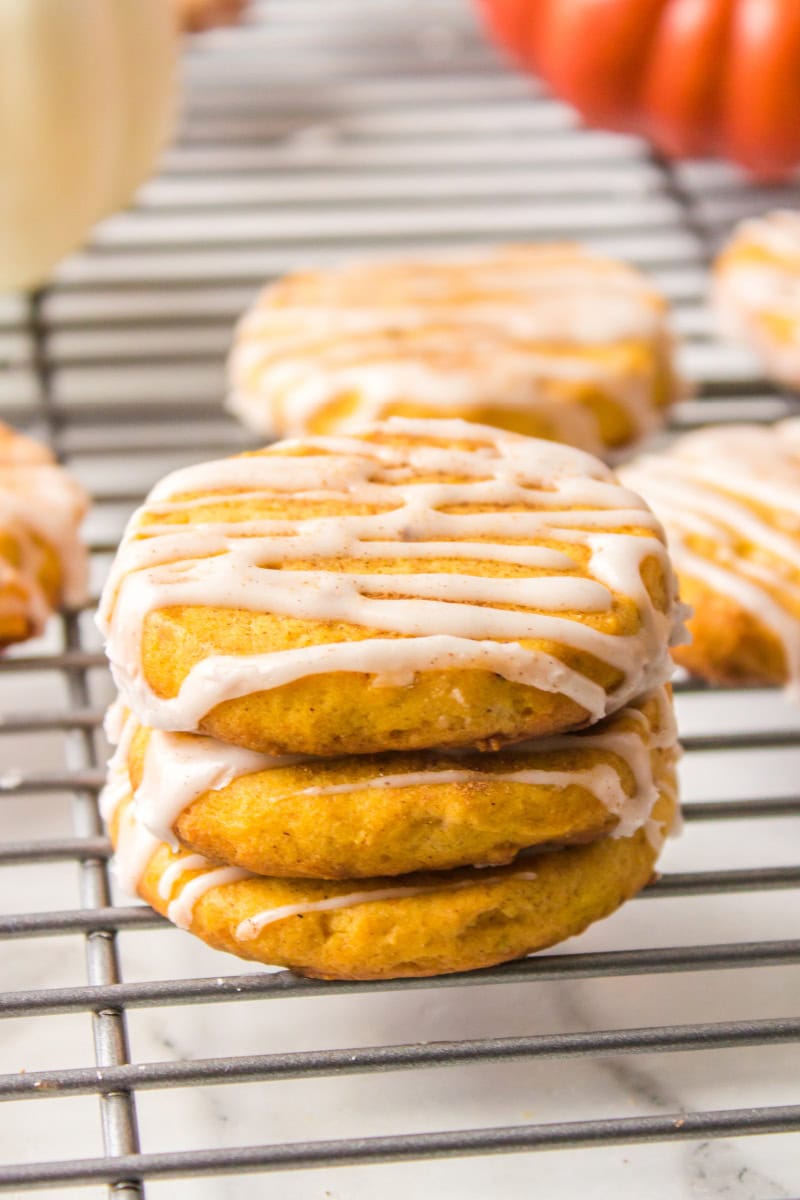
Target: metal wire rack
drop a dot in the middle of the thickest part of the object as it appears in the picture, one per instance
(308, 135)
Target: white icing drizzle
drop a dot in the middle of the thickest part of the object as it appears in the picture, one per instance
(181, 909)
(135, 847)
(135, 844)
(634, 748)
(602, 780)
(502, 329)
(657, 832)
(535, 491)
(120, 726)
(177, 770)
(749, 293)
(777, 231)
(38, 499)
(705, 487)
(252, 926)
(115, 722)
(182, 864)
(597, 778)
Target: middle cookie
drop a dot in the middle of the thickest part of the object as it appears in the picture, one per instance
(393, 814)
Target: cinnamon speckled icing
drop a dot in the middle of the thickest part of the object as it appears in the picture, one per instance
(492, 329)
(493, 496)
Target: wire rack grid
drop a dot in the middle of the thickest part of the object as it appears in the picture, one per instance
(309, 135)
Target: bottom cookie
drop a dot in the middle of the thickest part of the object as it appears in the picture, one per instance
(424, 924)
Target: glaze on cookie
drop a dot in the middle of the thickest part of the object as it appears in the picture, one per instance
(729, 498)
(417, 584)
(43, 562)
(546, 340)
(756, 292)
(394, 813)
(423, 924)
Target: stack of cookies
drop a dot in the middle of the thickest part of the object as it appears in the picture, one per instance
(392, 703)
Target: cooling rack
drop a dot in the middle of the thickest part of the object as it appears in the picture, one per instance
(650, 1057)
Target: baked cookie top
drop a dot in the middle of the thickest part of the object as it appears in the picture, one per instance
(729, 498)
(42, 559)
(511, 583)
(514, 329)
(393, 813)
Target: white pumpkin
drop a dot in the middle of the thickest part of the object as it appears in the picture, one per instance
(87, 94)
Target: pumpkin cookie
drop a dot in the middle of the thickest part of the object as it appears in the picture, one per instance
(729, 498)
(756, 292)
(42, 560)
(423, 924)
(391, 814)
(548, 340)
(418, 584)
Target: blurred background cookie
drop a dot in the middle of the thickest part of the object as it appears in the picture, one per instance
(43, 562)
(547, 340)
(756, 292)
(729, 498)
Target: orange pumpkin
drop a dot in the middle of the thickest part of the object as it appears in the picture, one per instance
(696, 77)
(197, 15)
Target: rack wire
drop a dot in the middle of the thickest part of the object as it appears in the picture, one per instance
(310, 135)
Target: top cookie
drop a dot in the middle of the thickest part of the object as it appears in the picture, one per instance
(422, 583)
(42, 560)
(756, 291)
(729, 497)
(549, 340)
